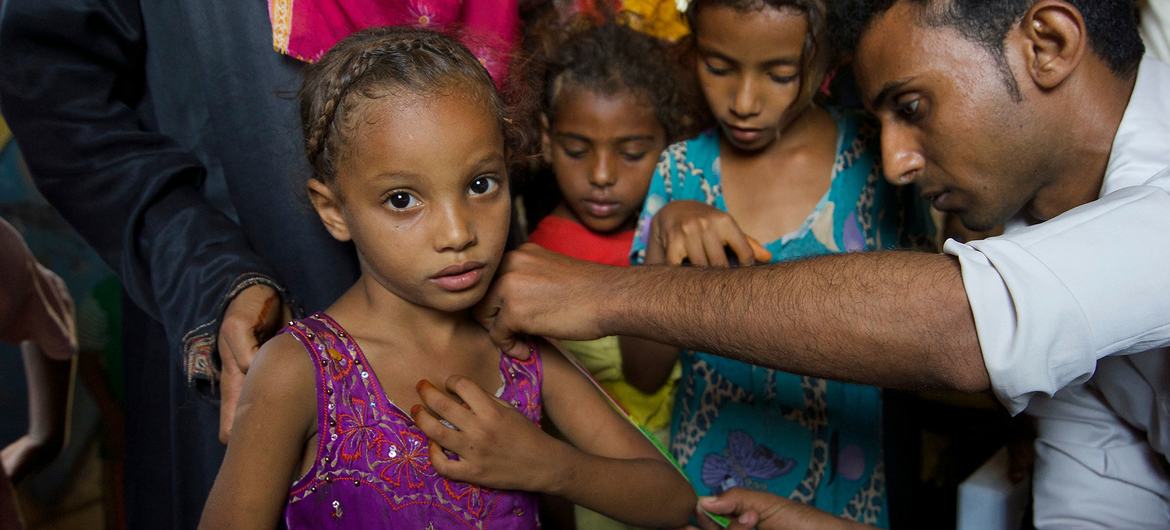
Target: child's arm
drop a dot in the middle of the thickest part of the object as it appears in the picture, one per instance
(274, 418)
(612, 469)
(646, 364)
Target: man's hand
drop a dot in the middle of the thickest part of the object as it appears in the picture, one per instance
(538, 292)
(252, 317)
(749, 509)
(691, 231)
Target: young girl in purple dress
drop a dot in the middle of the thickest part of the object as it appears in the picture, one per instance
(406, 137)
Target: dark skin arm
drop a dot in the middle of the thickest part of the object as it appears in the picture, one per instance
(274, 421)
(892, 319)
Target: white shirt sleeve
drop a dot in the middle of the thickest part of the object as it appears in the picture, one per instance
(1052, 298)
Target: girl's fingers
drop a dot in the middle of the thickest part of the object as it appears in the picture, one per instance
(472, 395)
(676, 251)
(740, 244)
(713, 244)
(438, 433)
(762, 255)
(443, 405)
(695, 252)
(452, 469)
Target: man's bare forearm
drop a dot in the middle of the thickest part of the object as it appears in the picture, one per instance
(892, 319)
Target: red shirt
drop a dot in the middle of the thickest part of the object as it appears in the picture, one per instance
(573, 239)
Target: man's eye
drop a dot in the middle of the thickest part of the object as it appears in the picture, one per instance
(401, 200)
(909, 109)
(483, 185)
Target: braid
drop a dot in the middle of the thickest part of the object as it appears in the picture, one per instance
(366, 65)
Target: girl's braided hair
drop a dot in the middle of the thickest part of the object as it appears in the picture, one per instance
(377, 62)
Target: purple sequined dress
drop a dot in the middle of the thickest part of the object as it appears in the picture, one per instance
(372, 469)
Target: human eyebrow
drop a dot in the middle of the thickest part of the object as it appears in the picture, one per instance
(781, 61)
(635, 138)
(712, 52)
(560, 135)
(887, 90)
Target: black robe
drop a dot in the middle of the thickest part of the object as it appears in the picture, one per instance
(167, 134)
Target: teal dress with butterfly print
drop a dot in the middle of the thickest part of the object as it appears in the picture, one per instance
(805, 438)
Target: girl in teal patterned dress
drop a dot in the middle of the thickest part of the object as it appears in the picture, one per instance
(736, 424)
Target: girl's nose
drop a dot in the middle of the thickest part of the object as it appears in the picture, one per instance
(457, 232)
(602, 174)
(745, 103)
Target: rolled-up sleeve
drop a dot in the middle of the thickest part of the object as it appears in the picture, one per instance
(1051, 299)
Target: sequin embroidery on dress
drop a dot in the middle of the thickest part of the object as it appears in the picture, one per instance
(372, 469)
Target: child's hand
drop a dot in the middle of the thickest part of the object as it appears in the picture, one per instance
(496, 446)
(695, 232)
(765, 511)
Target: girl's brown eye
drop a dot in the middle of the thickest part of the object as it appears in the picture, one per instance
(401, 200)
(483, 185)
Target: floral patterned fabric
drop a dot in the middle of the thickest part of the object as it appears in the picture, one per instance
(739, 425)
(306, 29)
(372, 469)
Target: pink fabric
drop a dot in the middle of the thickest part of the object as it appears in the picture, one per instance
(306, 29)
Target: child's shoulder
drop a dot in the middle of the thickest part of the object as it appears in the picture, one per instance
(283, 366)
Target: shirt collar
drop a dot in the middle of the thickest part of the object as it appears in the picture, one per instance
(1141, 147)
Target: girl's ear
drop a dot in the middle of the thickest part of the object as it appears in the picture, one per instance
(545, 139)
(328, 205)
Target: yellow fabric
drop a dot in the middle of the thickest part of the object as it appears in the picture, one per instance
(659, 18)
(603, 359)
(5, 134)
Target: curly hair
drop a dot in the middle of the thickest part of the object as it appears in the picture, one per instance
(377, 62)
(818, 56)
(607, 59)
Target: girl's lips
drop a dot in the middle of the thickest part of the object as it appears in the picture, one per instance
(459, 277)
(601, 209)
(741, 135)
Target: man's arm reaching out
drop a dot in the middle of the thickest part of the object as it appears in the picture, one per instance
(891, 319)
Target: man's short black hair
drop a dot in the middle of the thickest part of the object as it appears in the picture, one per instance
(1111, 25)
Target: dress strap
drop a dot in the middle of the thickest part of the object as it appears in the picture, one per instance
(340, 387)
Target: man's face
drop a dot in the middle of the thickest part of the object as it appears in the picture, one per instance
(949, 122)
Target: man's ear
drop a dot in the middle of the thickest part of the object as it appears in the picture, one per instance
(327, 202)
(545, 139)
(1055, 41)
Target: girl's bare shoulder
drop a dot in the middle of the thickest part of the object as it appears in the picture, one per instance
(282, 370)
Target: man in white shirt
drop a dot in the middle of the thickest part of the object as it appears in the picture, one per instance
(1038, 113)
